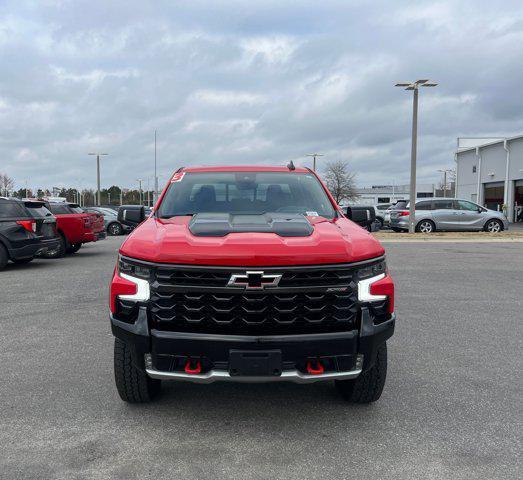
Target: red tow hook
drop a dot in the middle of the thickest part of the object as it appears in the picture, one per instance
(190, 370)
(315, 370)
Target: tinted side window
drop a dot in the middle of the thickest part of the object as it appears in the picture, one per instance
(424, 206)
(443, 204)
(12, 209)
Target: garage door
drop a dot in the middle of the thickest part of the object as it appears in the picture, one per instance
(493, 195)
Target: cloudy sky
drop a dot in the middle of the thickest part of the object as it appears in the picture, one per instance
(255, 81)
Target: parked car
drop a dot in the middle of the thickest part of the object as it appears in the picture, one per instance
(381, 213)
(449, 214)
(111, 224)
(75, 227)
(364, 216)
(48, 230)
(250, 274)
(22, 234)
(130, 216)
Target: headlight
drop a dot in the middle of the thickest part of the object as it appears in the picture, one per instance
(372, 270)
(133, 269)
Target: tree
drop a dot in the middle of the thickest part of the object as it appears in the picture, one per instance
(6, 184)
(340, 181)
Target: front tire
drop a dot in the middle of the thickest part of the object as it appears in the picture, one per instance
(426, 226)
(368, 386)
(493, 226)
(133, 384)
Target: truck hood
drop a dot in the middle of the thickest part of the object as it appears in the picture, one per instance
(171, 241)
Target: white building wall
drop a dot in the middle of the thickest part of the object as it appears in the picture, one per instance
(491, 166)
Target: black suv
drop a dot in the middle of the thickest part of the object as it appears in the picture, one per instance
(24, 234)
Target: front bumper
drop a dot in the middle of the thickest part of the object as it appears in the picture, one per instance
(348, 353)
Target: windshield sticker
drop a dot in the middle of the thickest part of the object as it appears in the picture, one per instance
(312, 214)
(177, 177)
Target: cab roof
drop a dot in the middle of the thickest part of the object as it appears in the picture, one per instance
(245, 168)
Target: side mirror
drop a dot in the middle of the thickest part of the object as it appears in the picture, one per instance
(131, 215)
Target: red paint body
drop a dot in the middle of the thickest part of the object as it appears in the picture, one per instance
(76, 229)
(170, 241)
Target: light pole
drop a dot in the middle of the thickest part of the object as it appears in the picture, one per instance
(314, 155)
(139, 180)
(155, 196)
(412, 201)
(444, 171)
(98, 155)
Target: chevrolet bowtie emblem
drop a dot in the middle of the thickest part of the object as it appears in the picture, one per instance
(254, 280)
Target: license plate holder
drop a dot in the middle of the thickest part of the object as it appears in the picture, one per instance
(255, 363)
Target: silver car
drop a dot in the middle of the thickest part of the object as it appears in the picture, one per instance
(449, 214)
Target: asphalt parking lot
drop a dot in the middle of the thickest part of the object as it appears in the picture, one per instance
(451, 407)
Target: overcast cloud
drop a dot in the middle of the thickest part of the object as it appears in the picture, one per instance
(250, 82)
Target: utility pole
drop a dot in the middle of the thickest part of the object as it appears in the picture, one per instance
(121, 197)
(444, 171)
(109, 198)
(98, 155)
(314, 155)
(413, 152)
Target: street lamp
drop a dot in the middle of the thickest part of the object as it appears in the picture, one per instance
(444, 171)
(98, 155)
(414, 87)
(139, 180)
(314, 155)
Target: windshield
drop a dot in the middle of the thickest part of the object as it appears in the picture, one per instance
(246, 193)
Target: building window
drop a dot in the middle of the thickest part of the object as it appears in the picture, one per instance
(424, 195)
(474, 169)
(383, 199)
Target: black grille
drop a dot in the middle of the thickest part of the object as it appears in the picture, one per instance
(307, 300)
(220, 277)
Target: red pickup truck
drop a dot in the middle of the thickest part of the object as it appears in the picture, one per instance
(250, 274)
(75, 227)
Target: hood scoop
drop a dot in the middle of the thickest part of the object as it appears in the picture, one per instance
(221, 224)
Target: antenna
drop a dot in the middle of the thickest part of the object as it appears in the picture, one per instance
(291, 166)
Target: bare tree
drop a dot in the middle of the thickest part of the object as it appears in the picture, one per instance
(340, 181)
(6, 184)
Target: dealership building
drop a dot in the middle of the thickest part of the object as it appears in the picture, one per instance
(391, 193)
(491, 174)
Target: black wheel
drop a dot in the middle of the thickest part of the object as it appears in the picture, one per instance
(114, 229)
(367, 387)
(59, 251)
(426, 226)
(4, 257)
(74, 247)
(380, 222)
(493, 226)
(133, 385)
(21, 261)
(397, 230)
